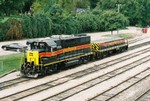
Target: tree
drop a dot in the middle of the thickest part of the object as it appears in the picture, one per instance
(137, 11)
(88, 22)
(69, 6)
(93, 3)
(111, 20)
(132, 10)
(27, 6)
(145, 15)
(11, 7)
(42, 6)
(83, 3)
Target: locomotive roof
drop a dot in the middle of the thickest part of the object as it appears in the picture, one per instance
(65, 37)
(108, 39)
(55, 38)
(50, 42)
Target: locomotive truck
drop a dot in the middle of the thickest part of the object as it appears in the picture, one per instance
(61, 51)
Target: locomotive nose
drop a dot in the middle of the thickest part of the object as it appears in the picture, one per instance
(33, 56)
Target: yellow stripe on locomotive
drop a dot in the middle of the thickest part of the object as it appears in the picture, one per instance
(33, 56)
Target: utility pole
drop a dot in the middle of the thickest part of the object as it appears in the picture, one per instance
(118, 5)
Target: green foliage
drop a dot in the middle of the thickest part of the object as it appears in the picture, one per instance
(15, 30)
(27, 6)
(11, 29)
(36, 26)
(4, 27)
(71, 25)
(112, 20)
(2, 36)
(137, 11)
(145, 15)
(132, 10)
(64, 17)
(8, 7)
(69, 6)
(27, 27)
(42, 6)
(93, 3)
(88, 22)
(83, 4)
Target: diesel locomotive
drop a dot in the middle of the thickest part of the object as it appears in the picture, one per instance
(61, 51)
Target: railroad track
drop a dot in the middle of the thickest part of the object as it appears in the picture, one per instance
(17, 81)
(65, 79)
(139, 45)
(68, 93)
(14, 82)
(110, 94)
(144, 97)
(136, 40)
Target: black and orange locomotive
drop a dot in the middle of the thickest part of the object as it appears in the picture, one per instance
(58, 52)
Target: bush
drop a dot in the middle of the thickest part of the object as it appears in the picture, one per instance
(10, 29)
(15, 30)
(36, 26)
(71, 25)
(27, 27)
(88, 22)
(57, 22)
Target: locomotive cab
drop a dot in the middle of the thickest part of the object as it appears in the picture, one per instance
(32, 65)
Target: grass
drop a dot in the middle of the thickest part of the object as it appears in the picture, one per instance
(10, 62)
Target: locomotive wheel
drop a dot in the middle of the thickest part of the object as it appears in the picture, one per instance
(80, 61)
(99, 56)
(54, 68)
(124, 49)
(105, 54)
(85, 60)
(45, 71)
(110, 52)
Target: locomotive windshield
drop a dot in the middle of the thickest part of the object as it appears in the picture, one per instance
(38, 46)
(42, 47)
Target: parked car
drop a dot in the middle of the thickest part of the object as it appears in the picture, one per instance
(15, 47)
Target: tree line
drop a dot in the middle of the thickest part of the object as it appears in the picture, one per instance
(40, 18)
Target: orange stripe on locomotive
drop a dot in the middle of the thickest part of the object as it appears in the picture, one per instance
(49, 54)
(111, 43)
